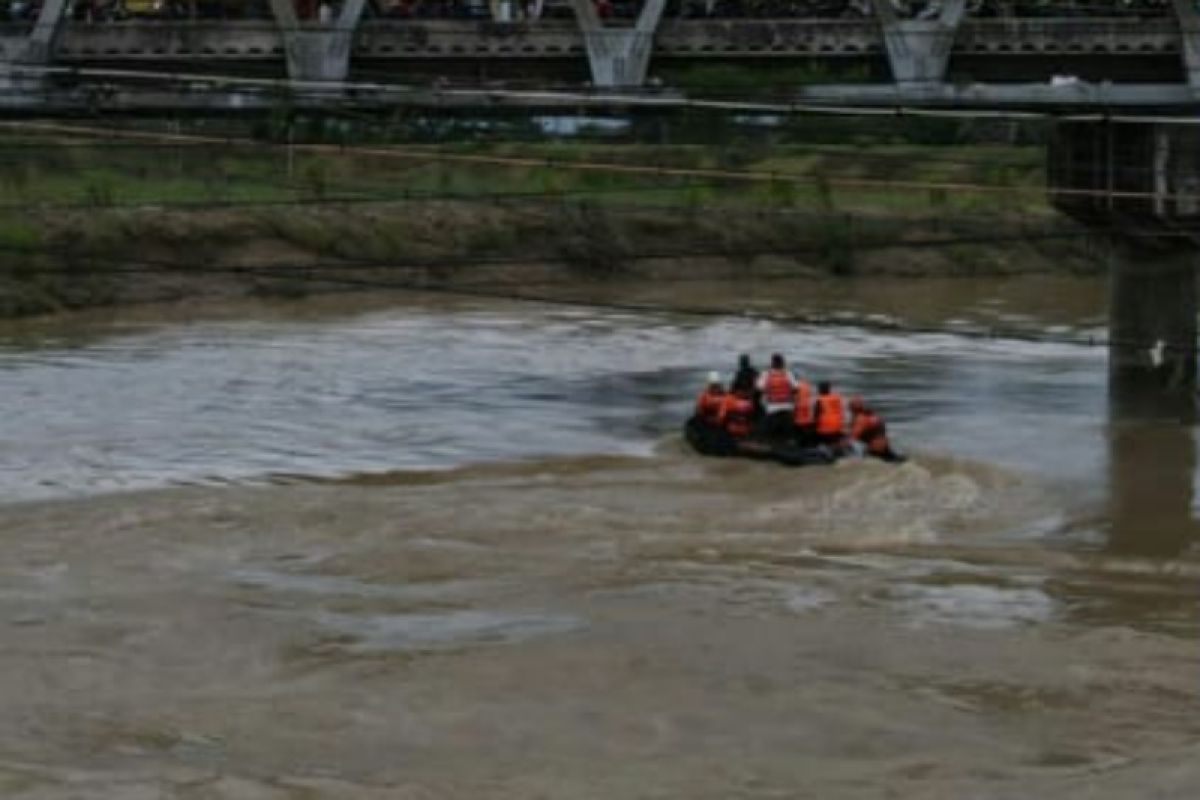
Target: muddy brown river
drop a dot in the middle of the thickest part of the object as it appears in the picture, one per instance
(417, 547)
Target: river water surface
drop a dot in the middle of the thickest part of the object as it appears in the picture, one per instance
(419, 547)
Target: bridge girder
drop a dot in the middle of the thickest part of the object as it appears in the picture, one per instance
(619, 55)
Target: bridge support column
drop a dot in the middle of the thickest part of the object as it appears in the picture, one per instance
(618, 56)
(1139, 183)
(1152, 401)
(1152, 324)
(34, 50)
(1188, 17)
(317, 52)
(919, 50)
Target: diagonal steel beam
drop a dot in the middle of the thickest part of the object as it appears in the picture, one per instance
(919, 50)
(1188, 17)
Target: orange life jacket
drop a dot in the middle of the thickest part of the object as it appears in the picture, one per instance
(708, 406)
(777, 386)
(804, 406)
(737, 415)
(870, 430)
(830, 417)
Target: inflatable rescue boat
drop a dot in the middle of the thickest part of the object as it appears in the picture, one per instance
(711, 441)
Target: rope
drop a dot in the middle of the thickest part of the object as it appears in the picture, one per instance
(427, 154)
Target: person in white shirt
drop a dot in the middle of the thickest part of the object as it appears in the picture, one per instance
(777, 387)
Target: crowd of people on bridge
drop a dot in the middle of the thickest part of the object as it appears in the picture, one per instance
(784, 408)
(96, 11)
(919, 9)
(513, 10)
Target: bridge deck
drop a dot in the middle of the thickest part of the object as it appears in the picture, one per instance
(706, 39)
(992, 63)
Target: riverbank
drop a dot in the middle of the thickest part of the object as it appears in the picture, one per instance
(88, 224)
(84, 259)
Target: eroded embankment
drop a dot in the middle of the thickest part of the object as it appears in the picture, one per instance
(101, 257)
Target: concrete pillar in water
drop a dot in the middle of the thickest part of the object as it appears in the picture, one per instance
(1151, 487)
(1139, 183)
(618, 57)
(918, 50)
(1152, 329)
(1152, 403)
(316, 51)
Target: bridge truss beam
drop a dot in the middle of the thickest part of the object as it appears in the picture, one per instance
(618, 57)
(918, 50)
(1151, 60)
(35, 48)
(1189, 30)
(318, 51)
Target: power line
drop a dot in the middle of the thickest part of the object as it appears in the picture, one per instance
(659, 171)
(655, 169)
(835, 152)
(334, 198)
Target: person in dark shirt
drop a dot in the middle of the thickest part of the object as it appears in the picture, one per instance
(746, 375)
(746, 380)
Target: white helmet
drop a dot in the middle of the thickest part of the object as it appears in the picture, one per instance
(714, 377)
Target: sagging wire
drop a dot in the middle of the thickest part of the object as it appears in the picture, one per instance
(409, 152)
(352, 93)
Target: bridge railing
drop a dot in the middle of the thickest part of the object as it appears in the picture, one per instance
(438, 40)
(138, 38)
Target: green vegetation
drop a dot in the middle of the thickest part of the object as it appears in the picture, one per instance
(72, 208)
(747, 175)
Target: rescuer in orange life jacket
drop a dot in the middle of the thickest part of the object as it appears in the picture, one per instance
(804, 425)
(867, 428)
(829, 416)
(710, 401)
(777, 386)
(737, 413)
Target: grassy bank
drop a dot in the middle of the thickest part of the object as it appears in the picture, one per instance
(85, 222)
(74, 171)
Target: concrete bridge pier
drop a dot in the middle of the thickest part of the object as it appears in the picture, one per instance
(1152, 330)
(1139, 184)
(1151, 400)
(919, 50)
(618, 57)
(318, 52)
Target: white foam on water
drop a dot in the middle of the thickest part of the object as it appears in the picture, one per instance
(970, 605)
(379, 633)
(803, 600)
(332, 585)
